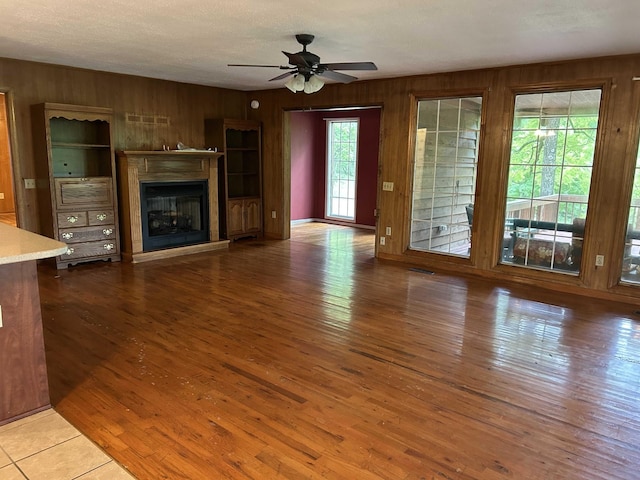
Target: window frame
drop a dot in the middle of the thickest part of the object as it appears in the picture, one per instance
(633, 165)
(440, 95)
(586, 275)
(328, 165)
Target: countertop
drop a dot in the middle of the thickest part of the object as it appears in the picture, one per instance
(17, 245)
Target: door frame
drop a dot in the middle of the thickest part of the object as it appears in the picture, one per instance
(286, 171)
(14, 164)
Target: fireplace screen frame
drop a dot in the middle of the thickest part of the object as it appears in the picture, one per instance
(179, 237)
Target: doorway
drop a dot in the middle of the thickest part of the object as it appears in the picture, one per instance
(308, 148)
(7, 194)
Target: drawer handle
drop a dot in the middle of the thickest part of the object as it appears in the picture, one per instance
(67, 235)
(70, 250)
(107, 231)
(109, 246)
(84, 179)
(72, 219)
(101, 216)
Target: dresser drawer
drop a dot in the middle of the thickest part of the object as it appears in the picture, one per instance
(100, 217)
(87, 192)
(72, 219)
(90, 249)
(87, 234)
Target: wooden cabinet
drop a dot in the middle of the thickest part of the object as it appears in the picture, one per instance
(244, 217)
(240, 184)
(23, 383)
(76, 180)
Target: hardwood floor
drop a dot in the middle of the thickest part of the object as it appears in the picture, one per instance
(308, 358)
(8, 218)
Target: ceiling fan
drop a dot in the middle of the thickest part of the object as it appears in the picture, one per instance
(305, 68)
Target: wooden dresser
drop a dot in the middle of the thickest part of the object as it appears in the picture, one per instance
(76, 180)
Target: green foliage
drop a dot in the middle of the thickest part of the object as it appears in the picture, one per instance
(559, 162)
(344, 137)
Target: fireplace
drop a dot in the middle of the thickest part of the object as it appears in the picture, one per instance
(169, 203)
(173, 214)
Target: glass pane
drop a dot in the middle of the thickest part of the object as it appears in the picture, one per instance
(521, 181)
(449, 115)
(342, 155)
(552, 148)
(444, 175)
(631, 253)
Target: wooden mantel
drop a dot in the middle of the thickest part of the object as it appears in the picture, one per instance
(164, 166)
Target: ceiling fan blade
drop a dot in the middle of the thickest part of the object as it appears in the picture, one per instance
(337, 76)
(296, 59)
(284, 75)
(349, 66)
(281, 67)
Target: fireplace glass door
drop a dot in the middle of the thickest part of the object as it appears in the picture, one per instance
(174, 214)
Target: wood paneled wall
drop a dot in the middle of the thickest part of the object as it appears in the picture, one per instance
(184, 106)
(612, 178)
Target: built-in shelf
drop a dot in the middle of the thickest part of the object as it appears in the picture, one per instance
(240, 175)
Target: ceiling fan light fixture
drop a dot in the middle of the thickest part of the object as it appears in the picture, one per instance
(304, 68)
(295, 83)
(290, 84)
(313, 84)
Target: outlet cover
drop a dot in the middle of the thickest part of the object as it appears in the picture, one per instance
(29, 183)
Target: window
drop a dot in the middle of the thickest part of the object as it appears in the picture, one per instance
(631, 256)
(552, 148)
(444, 174)
(342, 160)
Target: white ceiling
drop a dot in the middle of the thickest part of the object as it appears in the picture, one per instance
(193, 40)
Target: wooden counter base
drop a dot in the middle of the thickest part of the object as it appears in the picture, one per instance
(24, 389)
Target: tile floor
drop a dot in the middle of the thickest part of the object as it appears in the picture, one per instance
(45, 446)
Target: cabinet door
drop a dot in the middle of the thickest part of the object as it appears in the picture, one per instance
(83, 192)
(252, 209)
(235, 216)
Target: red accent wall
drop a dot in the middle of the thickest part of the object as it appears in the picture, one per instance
(302, 166)
(308, 163)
